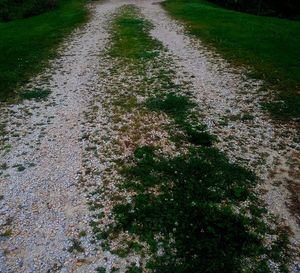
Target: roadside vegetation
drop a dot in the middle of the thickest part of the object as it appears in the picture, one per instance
(27, 44)
(17, 9)
(193, 209)
(267, 46)
(288, 9)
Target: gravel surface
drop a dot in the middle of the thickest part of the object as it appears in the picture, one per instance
(42, 207)
(43, 161)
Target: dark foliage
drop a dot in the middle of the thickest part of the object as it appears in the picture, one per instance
(280, 8)
(17, 9)
(195, 213)
(200, 229)
(178, 107)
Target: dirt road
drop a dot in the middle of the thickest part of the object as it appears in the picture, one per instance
(45, 180)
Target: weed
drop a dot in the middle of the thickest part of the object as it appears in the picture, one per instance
(101, 269)
(100, 235)
(174, 105)
(36, 94)
(105, 246)
(134, 246)
(114, 270)
(31, 164)
(179, 108)
(134, 269)
(76, 246)
(247, 116)
(121, 252)
(6, 233)
(82, 233)
(2, 129)
(20, 168)
(4, 166)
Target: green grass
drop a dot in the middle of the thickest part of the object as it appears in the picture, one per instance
(130, 41)
(101, 269)
(134, 269)
(177, 107)
(206, 213)
(36, 94)
(268, 45)
(27, 44)
(195, 214)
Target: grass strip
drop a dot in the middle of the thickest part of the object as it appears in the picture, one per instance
(130, 39)
(197, 211)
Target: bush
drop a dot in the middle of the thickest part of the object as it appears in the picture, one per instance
(17, 9)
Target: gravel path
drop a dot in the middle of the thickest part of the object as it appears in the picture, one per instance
(42, 204)
(42, 207)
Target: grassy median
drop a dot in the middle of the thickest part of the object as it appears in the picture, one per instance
(179, 201)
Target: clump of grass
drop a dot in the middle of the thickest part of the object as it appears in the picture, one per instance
(3, 134)
(206, 214)
(134, 246)
(6, 233)
(19, 167)
(130, 38)
(101, 269)
(4, 166)
(2, 130)
(134, 269)
(247, 116)
(287, 106)
(121, 252)
(196, 209)
(36, 94)
(82, 233)
(179, 108)
(174, 105)
(76, 246)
